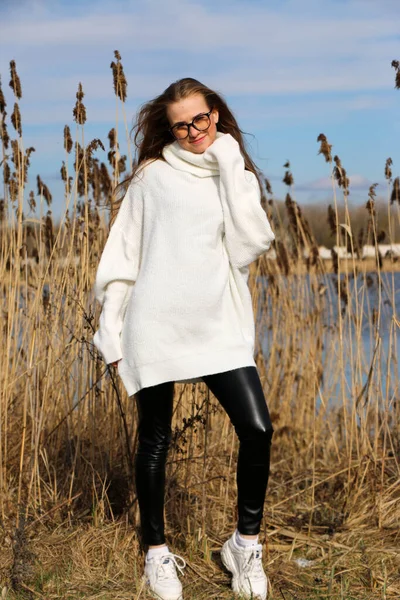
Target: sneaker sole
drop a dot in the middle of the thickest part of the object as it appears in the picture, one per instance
(229, 563)
(154, 594)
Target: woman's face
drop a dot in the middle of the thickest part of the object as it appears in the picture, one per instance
(184, 111)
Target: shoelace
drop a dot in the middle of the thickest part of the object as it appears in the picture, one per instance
(166, 568)
(253, 565)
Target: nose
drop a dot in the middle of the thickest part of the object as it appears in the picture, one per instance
(193, 132)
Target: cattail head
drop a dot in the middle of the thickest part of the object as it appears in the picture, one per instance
(3, 102)
(68, 144)
(79, 111)
(105, 181)
(396, 66)
(332, 221)
(31, 200)
(6, 172)
(63, 172)
(288, 177)
(335, 261)
(381, 237)
(120, 83)
(16, 119)
(17, 158)
(282, 257)
(341, 176)
(388, 170)
(27, 161)
(3, 132)
(325, 148)
(94, 145)
(79, 165)
(361, 237)
(15, 83)
(48, 232)
(370, 206)
(112, 138)
(395, 196)
(371, 191)
(13, 189)
(268, 186)
(43, 190)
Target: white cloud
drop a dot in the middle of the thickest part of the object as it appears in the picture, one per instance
(252, 49)
(357, 182)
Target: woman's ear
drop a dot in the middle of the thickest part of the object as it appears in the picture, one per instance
(216, 115)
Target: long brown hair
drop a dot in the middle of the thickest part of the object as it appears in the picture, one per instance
(152, 129)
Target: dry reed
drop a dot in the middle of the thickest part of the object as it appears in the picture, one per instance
(68, 507)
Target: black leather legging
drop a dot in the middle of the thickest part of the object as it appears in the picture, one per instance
(240, 393)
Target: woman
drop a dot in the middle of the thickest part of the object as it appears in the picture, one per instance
(172, 281)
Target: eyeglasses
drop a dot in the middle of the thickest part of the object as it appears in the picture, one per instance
(200, 122)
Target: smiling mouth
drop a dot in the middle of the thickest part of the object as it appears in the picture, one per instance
(197, 141)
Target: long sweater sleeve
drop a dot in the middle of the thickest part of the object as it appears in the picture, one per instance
(117, 272)
(248, 233)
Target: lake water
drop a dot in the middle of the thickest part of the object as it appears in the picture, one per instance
(368, 304)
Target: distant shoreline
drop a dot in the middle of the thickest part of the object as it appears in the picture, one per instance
(364, 266)
(347, 265)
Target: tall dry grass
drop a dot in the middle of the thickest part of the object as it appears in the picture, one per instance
(69, 512)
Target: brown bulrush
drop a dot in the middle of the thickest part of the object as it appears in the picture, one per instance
(332, 222)
(16, 119)
(48, 232)
(293, 211)
(79, 111)
(119, 79)
(43, 190)
(268, 186)
(388, 170)
(4, 133)
(63, 172)
(68, 143)
(335, 261)
(325, 148)
(6, 173)
(27, 161)
(31, 200)
(372, 192)
(288, 177)
(112, 138)
(94, 145)
(395, 196)
(15, 83)
(3, 102)
(106, 183)
(361, 239)
(282, 257)
(340, 175)
(13, 189)
(79, 167)
(396, 66)
(17, 156)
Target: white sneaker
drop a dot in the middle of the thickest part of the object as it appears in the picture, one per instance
(161, 576)
(245, 564)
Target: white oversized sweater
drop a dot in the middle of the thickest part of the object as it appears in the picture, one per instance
(172, 278)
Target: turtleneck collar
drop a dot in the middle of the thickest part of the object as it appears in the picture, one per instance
(201, 165)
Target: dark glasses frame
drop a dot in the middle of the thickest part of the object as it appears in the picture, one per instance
(191, 124)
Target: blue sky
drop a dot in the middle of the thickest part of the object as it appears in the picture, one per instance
(289, 69)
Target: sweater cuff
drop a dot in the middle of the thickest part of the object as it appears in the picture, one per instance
(108, 345)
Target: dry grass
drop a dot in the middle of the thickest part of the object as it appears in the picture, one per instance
(68, 508)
